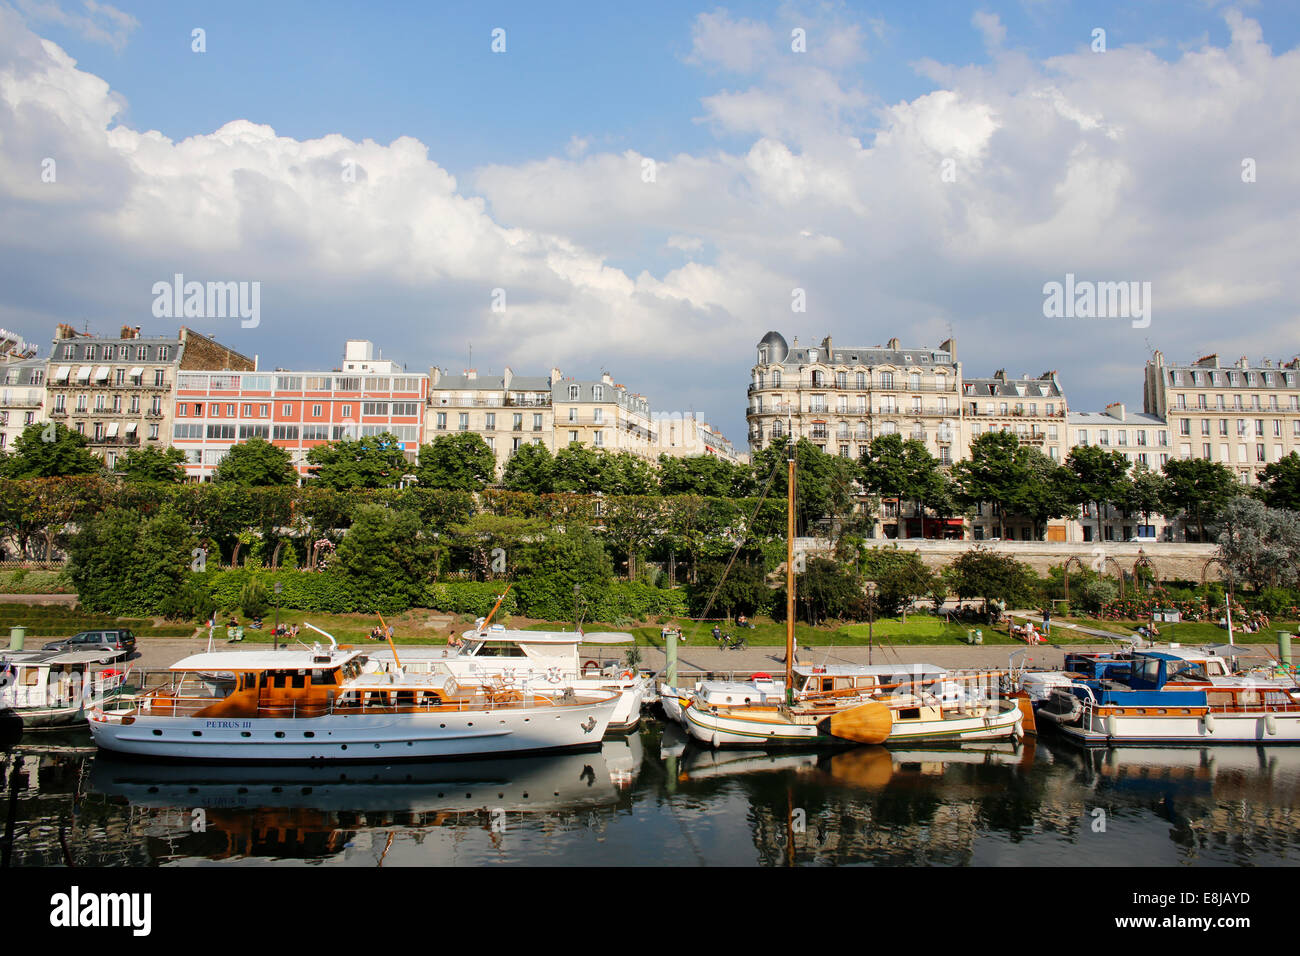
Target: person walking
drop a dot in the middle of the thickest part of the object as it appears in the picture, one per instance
(1047, 621)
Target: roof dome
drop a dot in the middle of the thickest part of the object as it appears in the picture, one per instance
(774, 343)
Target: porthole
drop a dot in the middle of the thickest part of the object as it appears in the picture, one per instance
(197, 733)
(245, 733)
(309, 733)
(279, 733)
(157, 733)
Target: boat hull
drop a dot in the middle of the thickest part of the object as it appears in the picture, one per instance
(357, 737)
(719, 729)
(1246, 727)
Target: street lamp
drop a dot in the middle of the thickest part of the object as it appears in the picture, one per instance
(275, 632)
(871, 616)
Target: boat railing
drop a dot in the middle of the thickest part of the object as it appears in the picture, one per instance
(159, 703)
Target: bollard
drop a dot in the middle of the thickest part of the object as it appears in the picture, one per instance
(1284, 648)
(17, 635)
(670, 649)
(979, 637)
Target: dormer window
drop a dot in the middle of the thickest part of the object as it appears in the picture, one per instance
(573, 393)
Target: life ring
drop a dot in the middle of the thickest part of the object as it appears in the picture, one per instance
(761, 675)
(595, 664)
(626, 675)
(553, 675)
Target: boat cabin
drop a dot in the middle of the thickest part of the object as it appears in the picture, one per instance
(849, 679)
(50, 679)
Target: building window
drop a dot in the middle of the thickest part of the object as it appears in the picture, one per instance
(600, 439)
(464, 421)
(491, 423)
(286, 410)
(598, 393)
(573, 393)
(517, 423)
(537, 421)
(442, 421)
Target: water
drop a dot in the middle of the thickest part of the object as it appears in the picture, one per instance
(653, 799)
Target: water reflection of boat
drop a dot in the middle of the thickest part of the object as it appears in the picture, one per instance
(699, 763)
(874, 767)
(518, 784)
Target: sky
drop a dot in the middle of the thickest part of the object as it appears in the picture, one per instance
(646, 189)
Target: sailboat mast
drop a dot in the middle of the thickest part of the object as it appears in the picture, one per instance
(789, 575)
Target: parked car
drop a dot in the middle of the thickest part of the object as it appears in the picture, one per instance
(116, 643)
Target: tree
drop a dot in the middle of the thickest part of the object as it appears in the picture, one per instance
(823, 483)
(901, 577)
(1258, 544)
(984, 573)
(706, 475)
(1280, 483)
(374, 461)
(51, 450)
(904, 469)
(825, 590)
(484, 533)
(631, 523)
(152, 463)
(743, 590)
(385, 559)
(1198, 489)
(1099, 477)
(994, 473)
(256, 462)
(124, 563)
(580, 469)
(629, 474)
(531, 468)
(1045, 493)
(1143, 495)
(461, 462)
(571, 556)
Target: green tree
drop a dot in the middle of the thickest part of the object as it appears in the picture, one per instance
(629, 474)
(374, 461)
(256, 462)
(901, 577)
(1046, 491)
(484, 533)
(1197, 489)
(385, 559)
(743, 590)
(579, 469)
(1280, 483)
(50, 450)
(705, 475)
(152, 463)
(1099, 478)
(994, 473)
(122, 562)
(823, 483)
(571, 556)
(532, 469)
(984, 573)
(457, 462)
(1144, 494)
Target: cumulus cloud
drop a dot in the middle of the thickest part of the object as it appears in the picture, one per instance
(946, 210)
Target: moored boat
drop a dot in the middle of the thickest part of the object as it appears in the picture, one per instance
(336, 705)
(54, 688)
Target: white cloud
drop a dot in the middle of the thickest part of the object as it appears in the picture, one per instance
(1123, 166)
(101, 22)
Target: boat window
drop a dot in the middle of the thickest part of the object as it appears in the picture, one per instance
(827, 683)
(299, 680)
(910, 713)
(1149, 670)
(376, 698)
(1215, 668)
(31, 677)
(322, 677)
(502, 650)
(1187, 671)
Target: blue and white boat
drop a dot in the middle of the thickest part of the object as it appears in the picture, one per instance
(1169, 697)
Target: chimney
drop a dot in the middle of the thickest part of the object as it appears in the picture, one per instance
(434, 375)
(125, 333)
(607, 378)
(471, 373)
(1000, 375)
(949, 345)
(556, 377)
(506, 376)
(1116, 410)
(1243, 362)
(826, 344)
(892, 344)
(63, 331)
